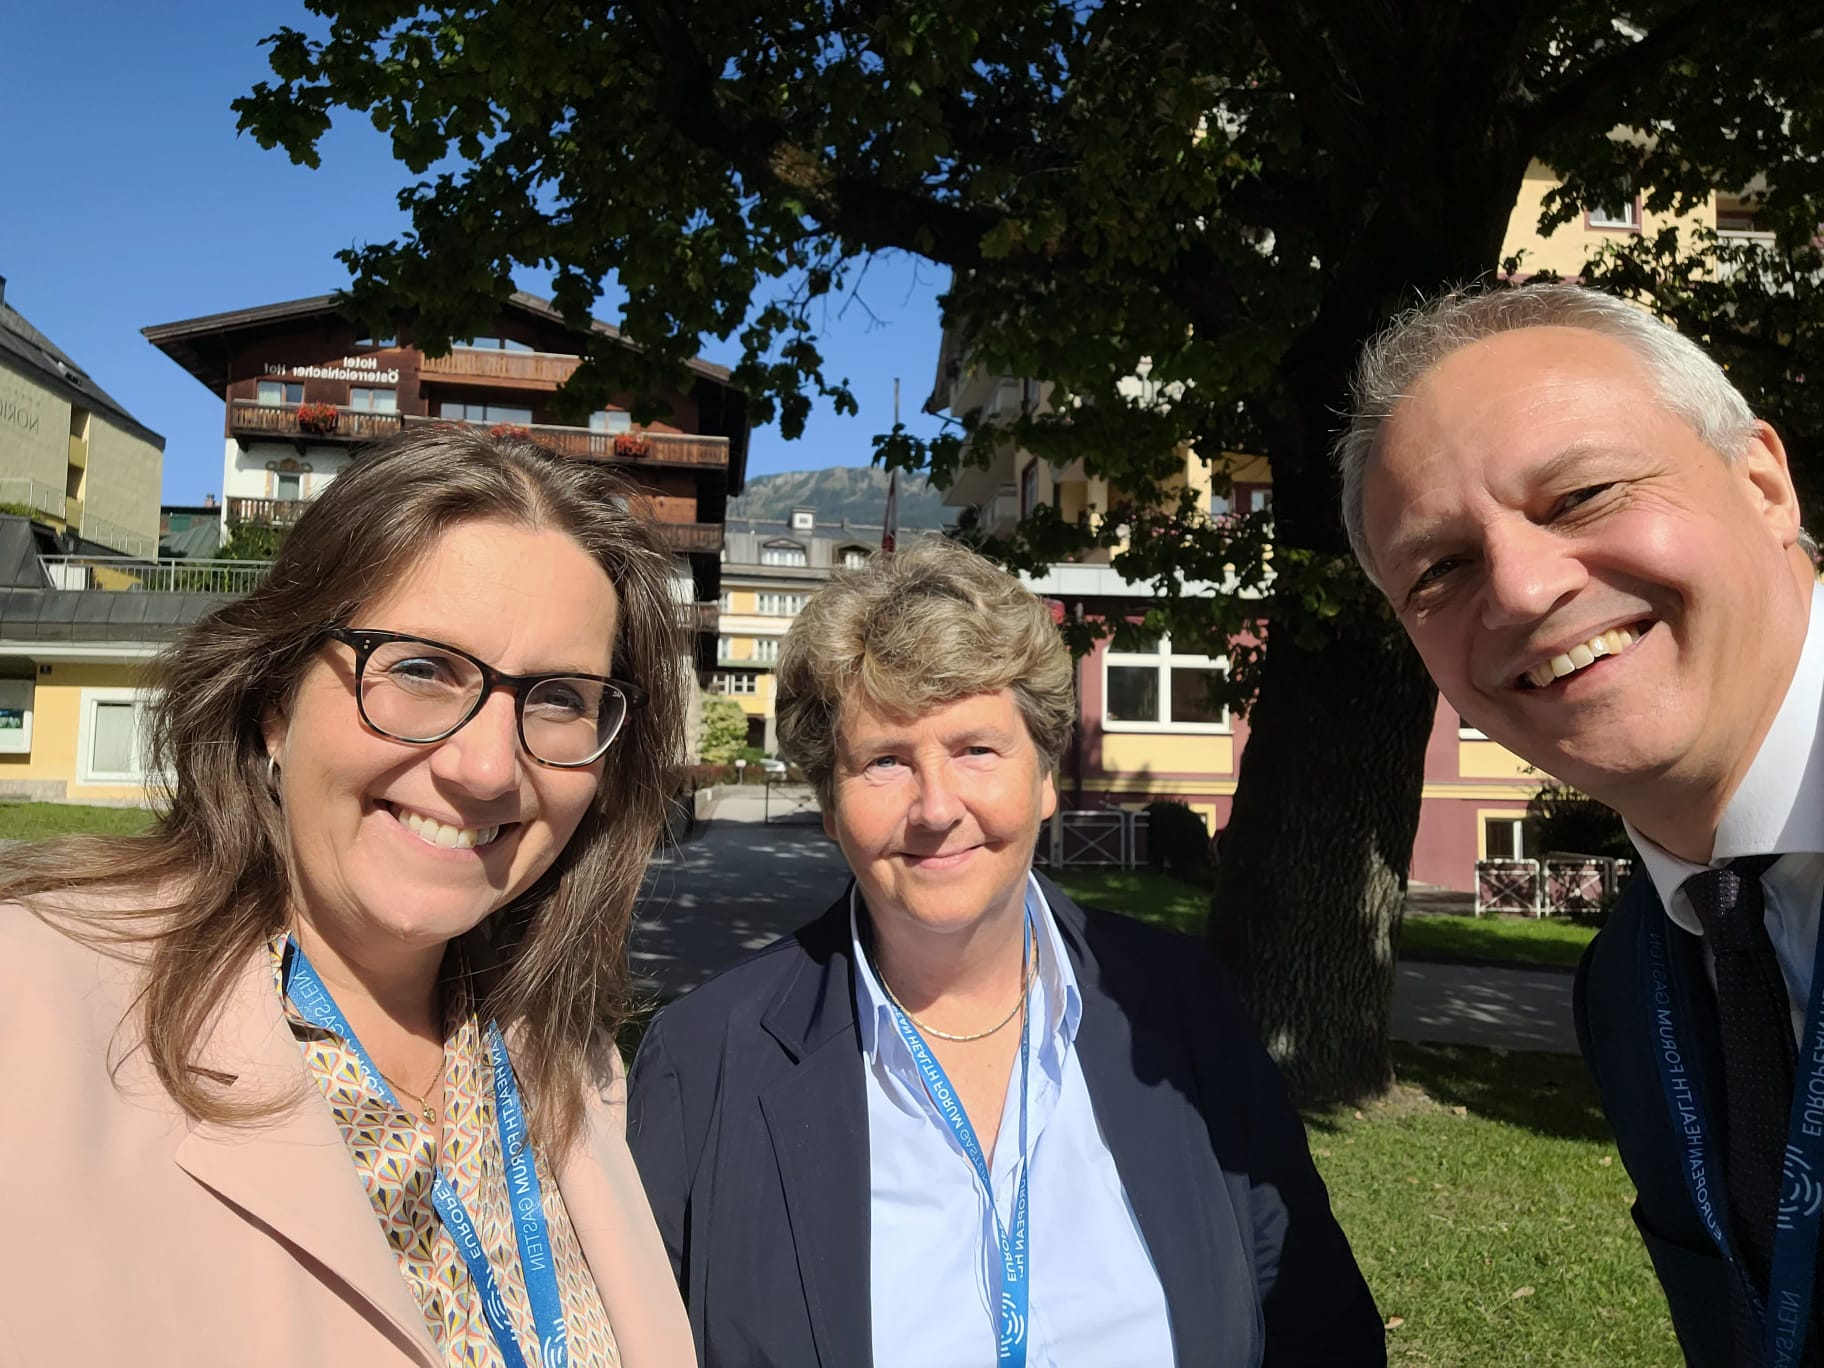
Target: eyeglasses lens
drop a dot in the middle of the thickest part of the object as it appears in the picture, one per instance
(415, 692)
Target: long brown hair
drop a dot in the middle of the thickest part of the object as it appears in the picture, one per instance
(209, 884)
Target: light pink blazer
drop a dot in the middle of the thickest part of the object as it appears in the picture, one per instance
(130, 1235)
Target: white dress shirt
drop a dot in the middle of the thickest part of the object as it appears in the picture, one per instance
(1095, 1300)
(1778, 808)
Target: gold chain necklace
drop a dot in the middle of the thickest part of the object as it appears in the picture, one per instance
(1032, 968)
(425, 1109)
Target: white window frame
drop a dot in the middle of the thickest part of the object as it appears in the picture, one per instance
(766, 650)
(735, 683)
(17, 695)
(854, 557)
(781, 604)
(784, 552)
(1162, 658)
(90, 702)
(284, 387)
(361, 398)
(1629, 219)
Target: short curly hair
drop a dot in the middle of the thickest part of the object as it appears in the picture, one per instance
(912, 631)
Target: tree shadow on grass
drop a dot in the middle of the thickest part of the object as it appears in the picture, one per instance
(1548, 1094)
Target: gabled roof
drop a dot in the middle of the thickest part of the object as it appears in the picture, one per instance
(23, 348)
(203, 345)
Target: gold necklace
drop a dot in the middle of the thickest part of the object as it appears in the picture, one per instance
(1032, 968)
(425, 1109)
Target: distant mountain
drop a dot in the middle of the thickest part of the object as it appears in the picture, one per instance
(858, 493)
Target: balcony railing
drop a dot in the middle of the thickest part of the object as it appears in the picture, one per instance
(542, 369)
(689, 536)
(277, 512)
(127, 573)
(250, 418)
(649, 448)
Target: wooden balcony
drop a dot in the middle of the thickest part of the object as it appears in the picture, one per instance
(277, 512)
(651, 448)
(506, 369)
(250, 420)
(699, 537)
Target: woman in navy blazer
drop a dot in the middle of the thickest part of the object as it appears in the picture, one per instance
(957, 1119)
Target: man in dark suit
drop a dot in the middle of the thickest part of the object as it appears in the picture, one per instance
(957, 1120)
(1595, 547)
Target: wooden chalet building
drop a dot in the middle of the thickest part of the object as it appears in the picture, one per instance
(303, 390)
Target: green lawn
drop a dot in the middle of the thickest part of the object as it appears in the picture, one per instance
(1489, 1213)
(35, 821)
(1521, 940)
(1170, 902)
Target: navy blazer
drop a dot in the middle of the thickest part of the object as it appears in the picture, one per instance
(1615, 1030)
(748, 1120)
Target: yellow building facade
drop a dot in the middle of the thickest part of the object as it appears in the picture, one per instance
(70, 455)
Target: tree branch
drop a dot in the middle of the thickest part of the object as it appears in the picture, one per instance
(1327, 95)
(1616, 74)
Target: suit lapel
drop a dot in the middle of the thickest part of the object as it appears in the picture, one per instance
(817, 1119)
(292, 1173)
(1145, 1127)
(607, 1208)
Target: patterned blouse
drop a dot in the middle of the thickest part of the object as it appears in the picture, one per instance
(396, 1157)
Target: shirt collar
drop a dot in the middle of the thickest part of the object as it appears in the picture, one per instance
(1779, 806)
(1061, 1004)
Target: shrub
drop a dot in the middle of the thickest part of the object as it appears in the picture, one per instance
(1562, 819)
(724, 730)
(1176, 840)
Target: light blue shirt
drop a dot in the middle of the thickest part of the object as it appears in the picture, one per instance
(1779, 808)
(1095, 1301)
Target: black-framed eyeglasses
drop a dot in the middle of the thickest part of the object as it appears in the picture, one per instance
(419, 691)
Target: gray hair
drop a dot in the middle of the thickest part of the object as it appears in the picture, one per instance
(1690, 384)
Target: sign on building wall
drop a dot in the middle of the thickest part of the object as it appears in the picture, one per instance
(363, 369)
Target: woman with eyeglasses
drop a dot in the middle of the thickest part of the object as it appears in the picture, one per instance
(321, 1070)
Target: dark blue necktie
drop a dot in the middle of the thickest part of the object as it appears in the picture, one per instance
(1755, 1016)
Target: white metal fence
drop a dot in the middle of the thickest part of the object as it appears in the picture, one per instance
(154, 576)
(1558, 885)
(1106, 837)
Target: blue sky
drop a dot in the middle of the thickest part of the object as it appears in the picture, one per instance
(127, 199)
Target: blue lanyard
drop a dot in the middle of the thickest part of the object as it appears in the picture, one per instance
(1014, 1244)
(1795, 1239)
(313, 1001)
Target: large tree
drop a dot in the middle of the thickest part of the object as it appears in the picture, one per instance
(1236, 192)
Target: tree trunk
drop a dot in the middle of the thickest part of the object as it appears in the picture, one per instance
(1313, 876)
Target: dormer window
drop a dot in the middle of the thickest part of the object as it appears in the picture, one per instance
(783, 553)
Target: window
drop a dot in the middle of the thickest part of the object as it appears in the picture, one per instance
(725, 648)
(766, 650)
(734, 682)
(378, 342)
(1029, 488)
(782, 553)
(854, 557)
(1623, 213)
(1504, 836)
(782, 605)
(111, 737)
(373, 400)
(725, 603)
(280, 392)
(287, 486)
(610, 420)
(1153, 689)
(485, 413)
(16, 716)
(493, 344)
